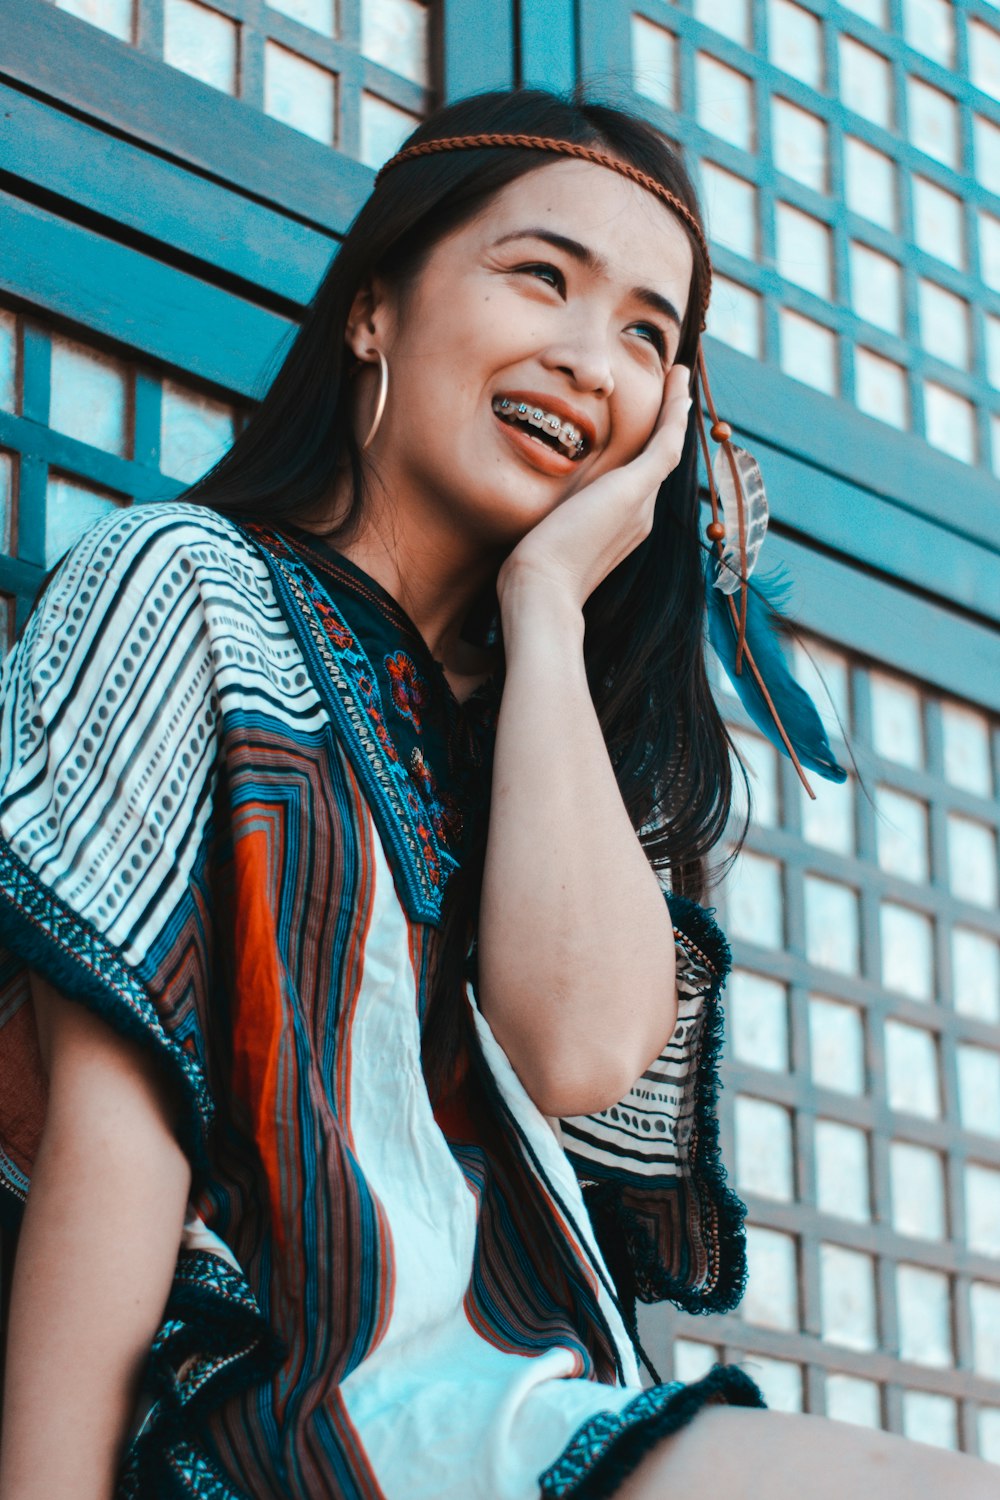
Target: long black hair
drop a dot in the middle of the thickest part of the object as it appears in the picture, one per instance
(644, 643)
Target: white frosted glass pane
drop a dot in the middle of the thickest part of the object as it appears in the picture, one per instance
(992, 328)
(907, 951)
(933, 118)
(929, 27)
(89, 396)
(725, 101)
(901, 834)
(989, 250)
(753, 900)
(731, 211)
(847, 1297)
(114, 16)
(979, 1089)
(318, 15)
(734, 316)
(949, 422)
(803, 246)
(897, 723)
(975, 974)
(195, 431)
(917, 1182)
(842, 1171)
(654, 62)
(870, 178)
(944, 324)
(394, 33)
(923, 1308)
(880, 388)
(912, 1070)
(764, 1149)
(772, 1295)
(70, 508)
(837, 1046)
(823, 673)
(795, 42)
(928, 1418)
(850, 1399)
(808, 351)
(937, 222)
(865, 82)
(828, 818)
(995, 443)
(730, 17)
(876, 288)
(966, 749)
(6, 498)
(201, 42)
(982, 1210)
(692, 1360)
(989, 1434)
(986, 151)
(757, 1019)
(872, 10)
(984, 58)
(761, 762)
(831, 925)
(779, 1381)
(798, 141)
(8, 361)
(984, 1300)
(384, 128)
(299, 94)
(972, 861)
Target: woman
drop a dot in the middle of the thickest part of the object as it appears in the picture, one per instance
(368, 971)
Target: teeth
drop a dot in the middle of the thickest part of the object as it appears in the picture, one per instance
(567, 435)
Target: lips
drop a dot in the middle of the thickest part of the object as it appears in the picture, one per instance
(560, 427)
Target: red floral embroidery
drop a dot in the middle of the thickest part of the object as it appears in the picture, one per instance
(408, 688)
(446, 815)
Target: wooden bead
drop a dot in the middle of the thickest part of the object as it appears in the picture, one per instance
(715, 531)
(721, 431)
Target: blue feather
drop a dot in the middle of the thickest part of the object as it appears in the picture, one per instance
(794, 705)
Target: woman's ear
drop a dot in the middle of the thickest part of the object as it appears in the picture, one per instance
(368, 320)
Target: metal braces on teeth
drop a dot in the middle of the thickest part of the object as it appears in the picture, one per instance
(539, 418)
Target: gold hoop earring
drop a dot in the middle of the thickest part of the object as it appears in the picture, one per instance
(383, 391)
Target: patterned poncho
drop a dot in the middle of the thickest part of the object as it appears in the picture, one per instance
(232, 788)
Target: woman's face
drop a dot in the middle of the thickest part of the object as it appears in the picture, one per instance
(565, 295)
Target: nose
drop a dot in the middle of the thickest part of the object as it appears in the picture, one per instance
(584, 357)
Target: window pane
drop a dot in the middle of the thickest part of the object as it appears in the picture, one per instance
(975, 974)
(394, 33)
(872, 10)
(319, 15)
(901, 834)
(984, 58)
(989, 1434)
(929, 27)
(764, 1149)
(937, 222)
(923, 1305)
(912, 1070)
(992, 329)
(779, 1380)
(865, 82)
(949, 422)
(850, 1399)
(761, 761)
(966, 749)
(986, 151)
(944, 324)
(70, 507)
(828, 819)
(798, 140)
(725, 101)
(917, 1183)
(897, 720)
(654, 62)
(842, 1171)
(757, 1017)
(754, 901)
(823, 674)
(870, 182)
(876, 288)
(831, 925)
(6, 499)
(837, 1046)
(734, 316)
(89, 396)
(114, 16)
(982, 1210)
(8, 361)
(907, 951)
(930, 1419)
(772, 1296)
(979, 1089)
(692, 1360)
(195, 432)
(847, 1297)
(731, 210)
(933, 122)
(989, 250)
(880, 388)
(795, 42)
(808, 351)
(201, 42)
(803, 249)
(985, 1304)
(972, 861)
(384, 128)
(299, 94)
(731, 17)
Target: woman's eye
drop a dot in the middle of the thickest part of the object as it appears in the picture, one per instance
(545, 272)
(654, 335)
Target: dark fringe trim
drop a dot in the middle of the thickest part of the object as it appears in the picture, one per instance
(571, 1477)
(699, 924)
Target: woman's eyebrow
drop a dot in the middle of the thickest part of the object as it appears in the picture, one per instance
(594, 262)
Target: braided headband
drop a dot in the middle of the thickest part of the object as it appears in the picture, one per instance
(734, 478)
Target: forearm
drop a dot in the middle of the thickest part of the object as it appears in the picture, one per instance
(576, 956)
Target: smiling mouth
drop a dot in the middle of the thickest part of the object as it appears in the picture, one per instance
(562, 437)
